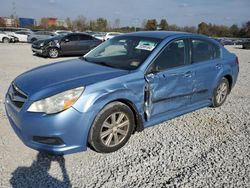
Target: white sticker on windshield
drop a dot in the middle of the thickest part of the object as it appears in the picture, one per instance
(146, 45)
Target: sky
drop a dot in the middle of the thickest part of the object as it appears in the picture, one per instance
(133, 12)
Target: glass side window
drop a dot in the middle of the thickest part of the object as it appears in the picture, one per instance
(203, 51)
(173, 55)
(72, 37)
(85, 37)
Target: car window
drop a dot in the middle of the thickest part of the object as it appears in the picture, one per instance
(20, 32)
(203, 51)
(39, 33)
(173, 55)
(72, 37)
(85, 37)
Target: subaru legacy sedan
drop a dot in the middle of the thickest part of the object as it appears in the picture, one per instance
(128, 83)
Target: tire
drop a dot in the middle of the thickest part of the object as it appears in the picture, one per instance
(33, 40)
(53, 53)
(220, 93)
(111, 128)
(6, 40)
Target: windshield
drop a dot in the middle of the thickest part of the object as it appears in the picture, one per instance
(123, 52)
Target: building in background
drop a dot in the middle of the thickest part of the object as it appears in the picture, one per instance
(52, 22)
(9, 22)
(26, 22)
(61, 23)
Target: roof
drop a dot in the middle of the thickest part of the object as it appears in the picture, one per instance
(157, 34)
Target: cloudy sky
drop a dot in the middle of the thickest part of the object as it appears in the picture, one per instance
(133, 12)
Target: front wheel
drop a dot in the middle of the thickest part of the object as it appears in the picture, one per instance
(6, 40)
(220, 93)
(53, 53)
(112, 128)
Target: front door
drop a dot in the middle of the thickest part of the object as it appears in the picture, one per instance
(169, 80)
(69, 44)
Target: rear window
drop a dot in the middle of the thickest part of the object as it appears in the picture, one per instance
(203, 50)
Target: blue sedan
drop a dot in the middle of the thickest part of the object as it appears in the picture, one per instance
(128, 83)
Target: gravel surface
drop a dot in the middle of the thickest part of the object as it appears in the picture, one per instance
(206, 148)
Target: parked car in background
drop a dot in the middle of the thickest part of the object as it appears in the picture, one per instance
(70, 44)
(40, 35)
(246, 45)
(6, 38)
(12, 30)
(62, 32)
(110, 35)
(126, 84)
(22, 36)
(99, 36)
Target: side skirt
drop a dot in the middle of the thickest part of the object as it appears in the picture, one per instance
(170, 115)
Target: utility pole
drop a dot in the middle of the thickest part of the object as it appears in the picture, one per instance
(14, 13)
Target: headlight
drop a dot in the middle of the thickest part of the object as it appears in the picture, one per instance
(42, 44)
(58, 102)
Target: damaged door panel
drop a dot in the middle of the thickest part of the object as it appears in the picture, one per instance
(169, 83)
(167, 91)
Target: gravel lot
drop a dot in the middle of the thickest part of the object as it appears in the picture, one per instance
(206, 148)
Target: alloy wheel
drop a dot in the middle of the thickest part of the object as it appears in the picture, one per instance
(114, 129)
(53, 53)
(221, 92)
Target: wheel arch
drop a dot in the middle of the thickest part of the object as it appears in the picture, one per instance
(137, 117)
(230, 81)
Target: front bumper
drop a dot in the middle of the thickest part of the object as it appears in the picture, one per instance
(70, 126)
(40, 51)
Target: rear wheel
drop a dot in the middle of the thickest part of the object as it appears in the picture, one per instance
(220, 93)
(6, 40)
(112, 128)
(53, 52)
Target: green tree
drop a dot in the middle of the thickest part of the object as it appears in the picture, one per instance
(69, 23)
(203, 28)
(163, 24)
(151, 25)
(101, 24)
(80, 24)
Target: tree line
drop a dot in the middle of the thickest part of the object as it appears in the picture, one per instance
(101, 24)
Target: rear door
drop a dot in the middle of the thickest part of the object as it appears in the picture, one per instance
(86, 43)
(169, 80)
(206, 63)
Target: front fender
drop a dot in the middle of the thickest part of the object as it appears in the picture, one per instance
(96, 101)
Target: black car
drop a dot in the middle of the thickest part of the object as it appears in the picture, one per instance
(70, 44)
(246, 45)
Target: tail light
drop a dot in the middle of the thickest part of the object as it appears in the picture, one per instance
(237, 60)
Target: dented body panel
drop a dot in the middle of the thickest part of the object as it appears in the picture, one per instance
(154, 97)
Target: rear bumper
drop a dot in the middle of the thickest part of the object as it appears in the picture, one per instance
(70, 126)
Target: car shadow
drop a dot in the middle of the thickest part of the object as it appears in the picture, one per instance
(37, 175)
(45, 57)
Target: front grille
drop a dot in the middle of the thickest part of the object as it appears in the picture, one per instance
(17, 96)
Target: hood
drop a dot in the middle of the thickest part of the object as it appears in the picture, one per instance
(58, 77)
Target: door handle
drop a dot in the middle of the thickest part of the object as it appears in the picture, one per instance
(188, 74)
(218, 66)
